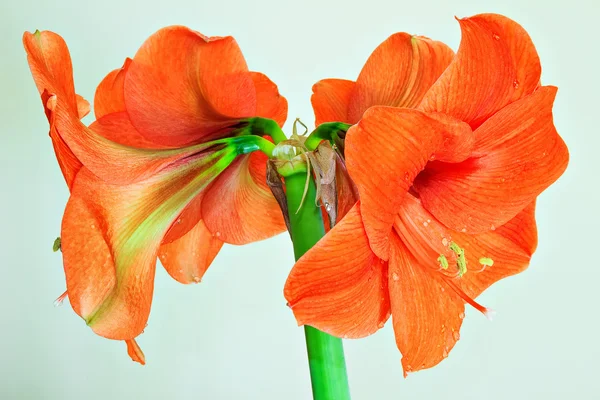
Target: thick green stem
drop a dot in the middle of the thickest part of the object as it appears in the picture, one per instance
(326, 131)
(325, 352)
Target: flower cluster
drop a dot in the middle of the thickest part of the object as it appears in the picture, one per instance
(439, 159)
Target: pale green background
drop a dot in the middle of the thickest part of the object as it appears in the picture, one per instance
(232, 337)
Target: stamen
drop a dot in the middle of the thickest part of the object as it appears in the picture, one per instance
(488, 312)
(488, 262)
(461, 261)
(443, 261)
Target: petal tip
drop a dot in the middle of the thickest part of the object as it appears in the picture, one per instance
(135, 352)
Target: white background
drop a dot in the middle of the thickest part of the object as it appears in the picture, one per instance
(232, 337)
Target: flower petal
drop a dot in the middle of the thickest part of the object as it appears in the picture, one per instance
(182, 87)
(117, 128)
(239, 207)
(186, 221)
(426, 313)
(108, 160)
(339, 286)
(111, 236)
(509, 246)
(384, 153)
(187, 258)
(398, 73)
(517, 155)
(269, 103)
(135, 352)
(109, 96)
(50, 64)
(68, 162)
(83, 106)
(495, 65)
(330, 100)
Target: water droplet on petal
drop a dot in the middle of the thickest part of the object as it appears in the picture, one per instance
(381, 325)
(461, 315)
(395, 276)
(196, 279)
(445, 353)
(425, 223)
(406, 176)
(327, 207)
(516, 84)
(493, 227)
(456, 335)
(496, 36)
(217, 234)
(444, 242)
(463, 230)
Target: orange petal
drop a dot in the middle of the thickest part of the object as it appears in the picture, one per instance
(117, 128)
(330, 100)
(108, 160)
(50, 64)
(68, 162)
(187, 258)
(135, 352)
(398, 73)
(517, 155)
(111, 236)
(339, 286)
(495, 65)
(269, 103)
(83, 106)
(509, 246)
(384, 153)
(186, 221)
(426, 313)
(239, 207)
(109, 94)
(182, 87)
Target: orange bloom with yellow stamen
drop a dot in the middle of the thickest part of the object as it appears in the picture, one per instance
(448, 155)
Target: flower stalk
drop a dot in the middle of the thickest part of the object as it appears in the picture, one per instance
(325, 352)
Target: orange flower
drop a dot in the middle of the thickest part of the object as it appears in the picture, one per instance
(447, 190)
(164, 168)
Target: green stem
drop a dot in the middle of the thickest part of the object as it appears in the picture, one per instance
(264, 126)
(325, 352)
(326, 131)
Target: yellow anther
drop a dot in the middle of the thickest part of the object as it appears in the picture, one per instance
(488, 262)
(461, 261)
(443, 261)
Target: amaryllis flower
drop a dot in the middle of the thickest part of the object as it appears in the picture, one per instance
(447, 180)
(165, 168)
